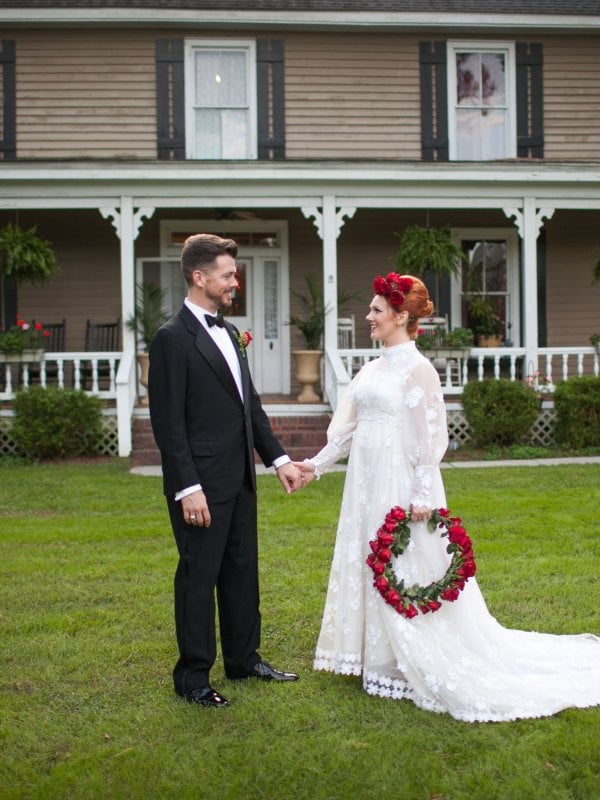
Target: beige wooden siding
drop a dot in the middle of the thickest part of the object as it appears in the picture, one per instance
(573, 302)
(352, 96)
(85, 94)
(572, 98)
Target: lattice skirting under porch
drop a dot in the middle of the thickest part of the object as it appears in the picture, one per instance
(109, 445)
(541, 433)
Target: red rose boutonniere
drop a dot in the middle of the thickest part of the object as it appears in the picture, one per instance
(243, 339)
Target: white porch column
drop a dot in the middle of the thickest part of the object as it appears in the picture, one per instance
(126, 221)
(329, 221)
(529, 222)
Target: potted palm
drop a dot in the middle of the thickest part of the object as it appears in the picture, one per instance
(147, 318)
(310, 321)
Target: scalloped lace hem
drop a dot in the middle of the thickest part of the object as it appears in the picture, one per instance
(341, 663)
(396, 689)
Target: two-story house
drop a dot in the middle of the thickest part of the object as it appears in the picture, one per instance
(314, 133)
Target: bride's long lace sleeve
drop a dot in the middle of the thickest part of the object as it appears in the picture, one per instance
(339, 433)
(427, 429)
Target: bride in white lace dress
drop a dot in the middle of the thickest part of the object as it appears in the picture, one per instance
(460, 660)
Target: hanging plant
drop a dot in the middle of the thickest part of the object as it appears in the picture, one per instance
(425, 248)
(25, 257)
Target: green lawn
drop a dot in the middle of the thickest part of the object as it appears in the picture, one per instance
(87, 709)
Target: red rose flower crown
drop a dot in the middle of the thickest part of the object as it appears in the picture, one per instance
(392, 540)
(393, 287)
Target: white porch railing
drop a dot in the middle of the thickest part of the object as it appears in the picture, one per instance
(109, 376)
(556, 363)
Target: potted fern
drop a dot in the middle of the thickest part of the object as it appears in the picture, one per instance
(424, 249)
(25, 257)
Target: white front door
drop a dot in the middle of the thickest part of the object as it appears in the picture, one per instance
(260, 305)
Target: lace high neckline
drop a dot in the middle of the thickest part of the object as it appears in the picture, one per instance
(398, 351)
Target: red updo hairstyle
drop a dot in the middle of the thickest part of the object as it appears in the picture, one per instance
(405, 293)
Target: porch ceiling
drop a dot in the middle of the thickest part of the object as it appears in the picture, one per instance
(297, 184)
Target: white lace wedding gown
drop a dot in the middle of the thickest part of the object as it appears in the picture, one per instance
(459, 660)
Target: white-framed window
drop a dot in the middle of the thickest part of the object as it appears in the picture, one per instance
(490, 271)
(481, 101)
(220, 98)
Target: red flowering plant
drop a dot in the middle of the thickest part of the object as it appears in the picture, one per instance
(23, 336)
(393, 287)
(392, 540)
(243, 339)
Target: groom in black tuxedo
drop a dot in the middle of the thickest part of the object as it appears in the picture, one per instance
(207, 419)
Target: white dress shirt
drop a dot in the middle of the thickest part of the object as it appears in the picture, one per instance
(225, 344)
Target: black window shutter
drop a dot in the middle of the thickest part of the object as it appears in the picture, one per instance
(270, 98)
(170, 110)
(530, 100)
(434, 101)
(8, 109)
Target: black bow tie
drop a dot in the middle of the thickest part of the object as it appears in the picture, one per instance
(218, 320)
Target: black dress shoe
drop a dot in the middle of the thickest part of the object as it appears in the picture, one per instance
(266, 672)
(206, 696)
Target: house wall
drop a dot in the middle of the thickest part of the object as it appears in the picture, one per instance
(88, 284)
(573, 301)
(91, 94)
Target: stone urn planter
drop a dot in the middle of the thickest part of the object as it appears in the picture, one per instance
(307, 373)
(489, 341)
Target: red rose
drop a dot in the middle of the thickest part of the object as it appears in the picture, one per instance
(38, 326)
(405, 284)
(378, 567)
(390, 526)
(392, 597)
(433, 605)
(398, 513)
(455, 520)
(385, 539)
(396, 298)
(371, 559)
(374, 545)
(466, 570)
(424, 609)
(443, 512)
(393, 277)
(381, 583)
(379, 285)
(450, 594)
(384, 555)
(410, 612)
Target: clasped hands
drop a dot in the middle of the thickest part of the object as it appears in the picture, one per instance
(194, 506)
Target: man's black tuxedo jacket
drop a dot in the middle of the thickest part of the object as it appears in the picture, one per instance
(204, 432)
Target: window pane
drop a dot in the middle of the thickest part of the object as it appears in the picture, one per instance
(493, 79)
(481, 134)
(234, 134)
(220, 78)
(271, 293)
(208, 134)
(468, 69)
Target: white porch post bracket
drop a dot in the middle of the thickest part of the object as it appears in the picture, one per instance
(113, 215)
(543, 214)
(517, 215)
(312, 212)
(341, 215)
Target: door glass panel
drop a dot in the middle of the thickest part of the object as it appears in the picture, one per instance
(271, 318)
(239, 295)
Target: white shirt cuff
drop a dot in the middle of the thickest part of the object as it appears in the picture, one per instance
(279, 462)
(190, 490)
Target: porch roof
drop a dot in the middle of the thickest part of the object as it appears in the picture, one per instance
(251, 184)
